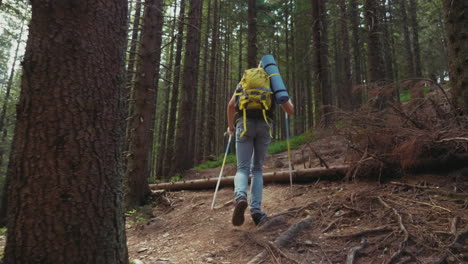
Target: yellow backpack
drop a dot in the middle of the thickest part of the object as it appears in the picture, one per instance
(255, 94)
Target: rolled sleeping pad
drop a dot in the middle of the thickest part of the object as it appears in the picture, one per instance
(277, 84)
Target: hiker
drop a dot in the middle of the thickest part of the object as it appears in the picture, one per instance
(253, 134)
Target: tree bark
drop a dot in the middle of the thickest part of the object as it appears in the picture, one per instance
(189, 87)
(374, 48)
(65, 171)
(252, 61)
(456, 24)
(142, 120)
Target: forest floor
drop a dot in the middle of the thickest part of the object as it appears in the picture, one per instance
(418, 218)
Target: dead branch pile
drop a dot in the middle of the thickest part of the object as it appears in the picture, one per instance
(388, 138)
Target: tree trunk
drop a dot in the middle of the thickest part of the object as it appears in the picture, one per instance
(305, 175)
(346, 85)
(323, 93)
(374, 49)
(252, 61)
(142, 120)
(456, 24)
(189, 86)
(415, 33)
(169, 158)
(65, 171)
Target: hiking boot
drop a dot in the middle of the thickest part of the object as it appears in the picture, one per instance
(259, 218)
(238, 215)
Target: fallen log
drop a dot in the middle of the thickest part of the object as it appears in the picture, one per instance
(299, 176)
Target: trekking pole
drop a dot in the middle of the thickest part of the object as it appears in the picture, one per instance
(289, 147)
(221, 172)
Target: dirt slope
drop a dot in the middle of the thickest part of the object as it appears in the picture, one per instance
(417, 219)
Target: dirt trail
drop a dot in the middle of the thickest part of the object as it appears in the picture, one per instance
(412, 220)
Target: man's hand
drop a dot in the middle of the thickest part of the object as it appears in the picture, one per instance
(230, 131)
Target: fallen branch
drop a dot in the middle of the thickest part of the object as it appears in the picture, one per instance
(355, 251)
(284, 239)
(306, 175)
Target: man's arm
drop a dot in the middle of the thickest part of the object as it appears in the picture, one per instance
(231, 111)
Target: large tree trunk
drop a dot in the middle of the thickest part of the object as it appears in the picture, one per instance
(374, 48)
(252, 35)
(189, 86)
(65, 171)
(456, 24)
(323, 93)
(142, 120)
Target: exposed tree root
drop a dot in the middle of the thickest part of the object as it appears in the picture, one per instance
(284, 239)
(353, 252)
(400, 252)
(363, 232)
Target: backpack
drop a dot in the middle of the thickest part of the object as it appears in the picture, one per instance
(255, 94)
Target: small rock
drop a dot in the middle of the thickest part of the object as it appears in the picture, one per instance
(166, 235)
(142, 250)
(209, 260)
(308, 243)
(136, 261)
(208, 255)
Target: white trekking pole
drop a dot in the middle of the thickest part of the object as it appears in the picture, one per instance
(289, 147)
(221, 172)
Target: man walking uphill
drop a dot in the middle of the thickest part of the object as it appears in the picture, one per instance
(251, 111)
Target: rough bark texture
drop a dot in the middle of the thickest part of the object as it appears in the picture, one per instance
(189, 86)
(322, 87)
(252, 35)
(375, 62)
(456, 25)
(142, 119)
(65, 192)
